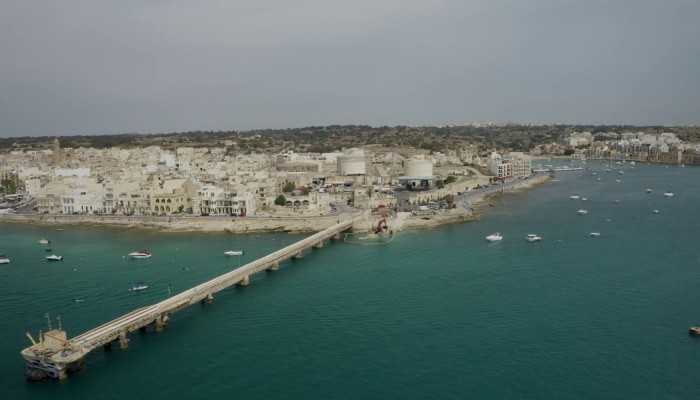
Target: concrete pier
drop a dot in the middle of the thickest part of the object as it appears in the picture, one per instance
(53, 358)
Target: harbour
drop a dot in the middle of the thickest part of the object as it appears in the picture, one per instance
(604, 317)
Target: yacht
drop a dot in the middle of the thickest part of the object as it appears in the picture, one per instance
(139, 286)
(595, 234)
(4, 259)
(140, 254)
(54, 257)
(494, 237)
(234, 253)
(668, 194)
(531, 237)
(582, 212)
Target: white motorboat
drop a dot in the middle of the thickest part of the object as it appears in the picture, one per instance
(668, 194)
(656, 211)
(54, 257)
(234, 253)
(573, 197)
(584, 199)
(595, 234)
(582, 211)
(531, 237)
(4, 259)
(139, 286)
(494, 237)
(621, 172)
(44, 241)
(649, 190)
(140, 254)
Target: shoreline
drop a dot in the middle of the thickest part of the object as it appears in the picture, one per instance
(467, 209)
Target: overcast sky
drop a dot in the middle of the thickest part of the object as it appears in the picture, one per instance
(74, 67)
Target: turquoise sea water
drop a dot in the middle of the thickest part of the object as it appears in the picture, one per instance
(434, 314)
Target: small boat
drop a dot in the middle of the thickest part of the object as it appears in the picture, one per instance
(4, 259)
(616, 201)
(234, 253)
(140, 254)
(668, 194)
(621, 172)
(649, 190)
(595, 234)
(54, 257)
(573, 197)
(44, 241)
(531, 237)
(494, 237)
(139, 286)
(582, 211)
(656, 211)
(598, 179)
(584, 199)
(695, 330)
(60, 229)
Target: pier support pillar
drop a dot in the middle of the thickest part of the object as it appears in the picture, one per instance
(244, 282)
(209, 299)
(319, 244)
(161, 322)
(123, 340)
(299, 255)
(336, 236)
(273, 267)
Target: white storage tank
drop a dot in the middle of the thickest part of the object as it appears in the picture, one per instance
(415, 168)
(352, 162)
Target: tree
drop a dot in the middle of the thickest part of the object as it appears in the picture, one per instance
(280, 200)
(369, 192)
(440, 183)
(289, 187)
(450, 179)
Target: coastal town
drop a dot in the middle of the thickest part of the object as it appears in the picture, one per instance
(210, 189)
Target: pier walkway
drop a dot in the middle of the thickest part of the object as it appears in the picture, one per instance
(70, 353)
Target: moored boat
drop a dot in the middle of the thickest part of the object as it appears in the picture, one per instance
(531, 237)
(695, 330)
(44, 241)
(4, 259)
(234, 253)
(494, 237)
(582, 211)
(139, 286)
(595, 234)
(54, 257)
(668, 194)
(140, 254)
